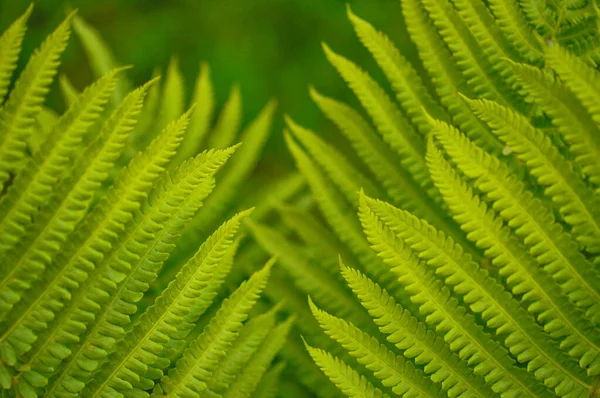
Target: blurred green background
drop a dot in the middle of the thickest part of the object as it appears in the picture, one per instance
(270, 47)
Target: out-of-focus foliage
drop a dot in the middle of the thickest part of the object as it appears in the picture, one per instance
(270, 47)
(93, 202)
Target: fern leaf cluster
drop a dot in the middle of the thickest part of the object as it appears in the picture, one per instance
(454, 253)
(91, 214)
(472, 244)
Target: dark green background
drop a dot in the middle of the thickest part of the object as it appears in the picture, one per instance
(271, 47)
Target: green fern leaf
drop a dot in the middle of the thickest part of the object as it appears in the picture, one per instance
(393, 371)
(383, 226)
(24, 102)
(390, 122)
(58, 218)
(253, 139)
(93, 240)
(172, 97)
(39, 307)
(125, 274)
(513, 25)
(160, 322)
(201, 118)
(194, 369)
(529, 218)
(438, 63)
(338, 169)
(540, 293)
(413, 338)
(10, 47)
(47, 167)
(247, 381)
(347, 379)
(336, 211)
(578, 207)
(410, 92)
(571, 119)
(307, 276)
(250, 338)
(100, 56)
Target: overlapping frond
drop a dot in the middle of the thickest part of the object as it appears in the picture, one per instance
(527, 326)
(539, 293)
(18, 113)
(140, 350)
(82, 311)
(38, 308)
(400, 239)
(38, 179)
(393, 371)
(194, 369)
(393, 126)
(348, 380)
(578, 205)
(416, 342)
(530, 219)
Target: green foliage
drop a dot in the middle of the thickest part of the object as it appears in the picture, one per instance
(479, 197)
(451, 249)
(91, 215)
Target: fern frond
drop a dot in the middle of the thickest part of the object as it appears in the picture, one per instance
(253, 139)
(48, 166)
(539, 293)
(37, 308)
(372, 150)
(147, 123)
(308, 277)
(528, 217)
(250, 338)
(514, 26)
(124, 275)
(415, 340)
(172, 97)
(577, 205)
(389, 236)
(247, 382)
(100, 56)
(10, 48)
(580, 78)
(201, 119)
(95, 238)
(24, 102)
(228, 121)
(568, 116)
(334, 208)
(394, 128)
(410, 91)
(476, 54)
(347, 379)
(29, 258)
(540, 17)
(393, 371)
(139, 350)
(194, 369)
(337, 168)
(439, 64)
(177, 346)
(68, 91)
